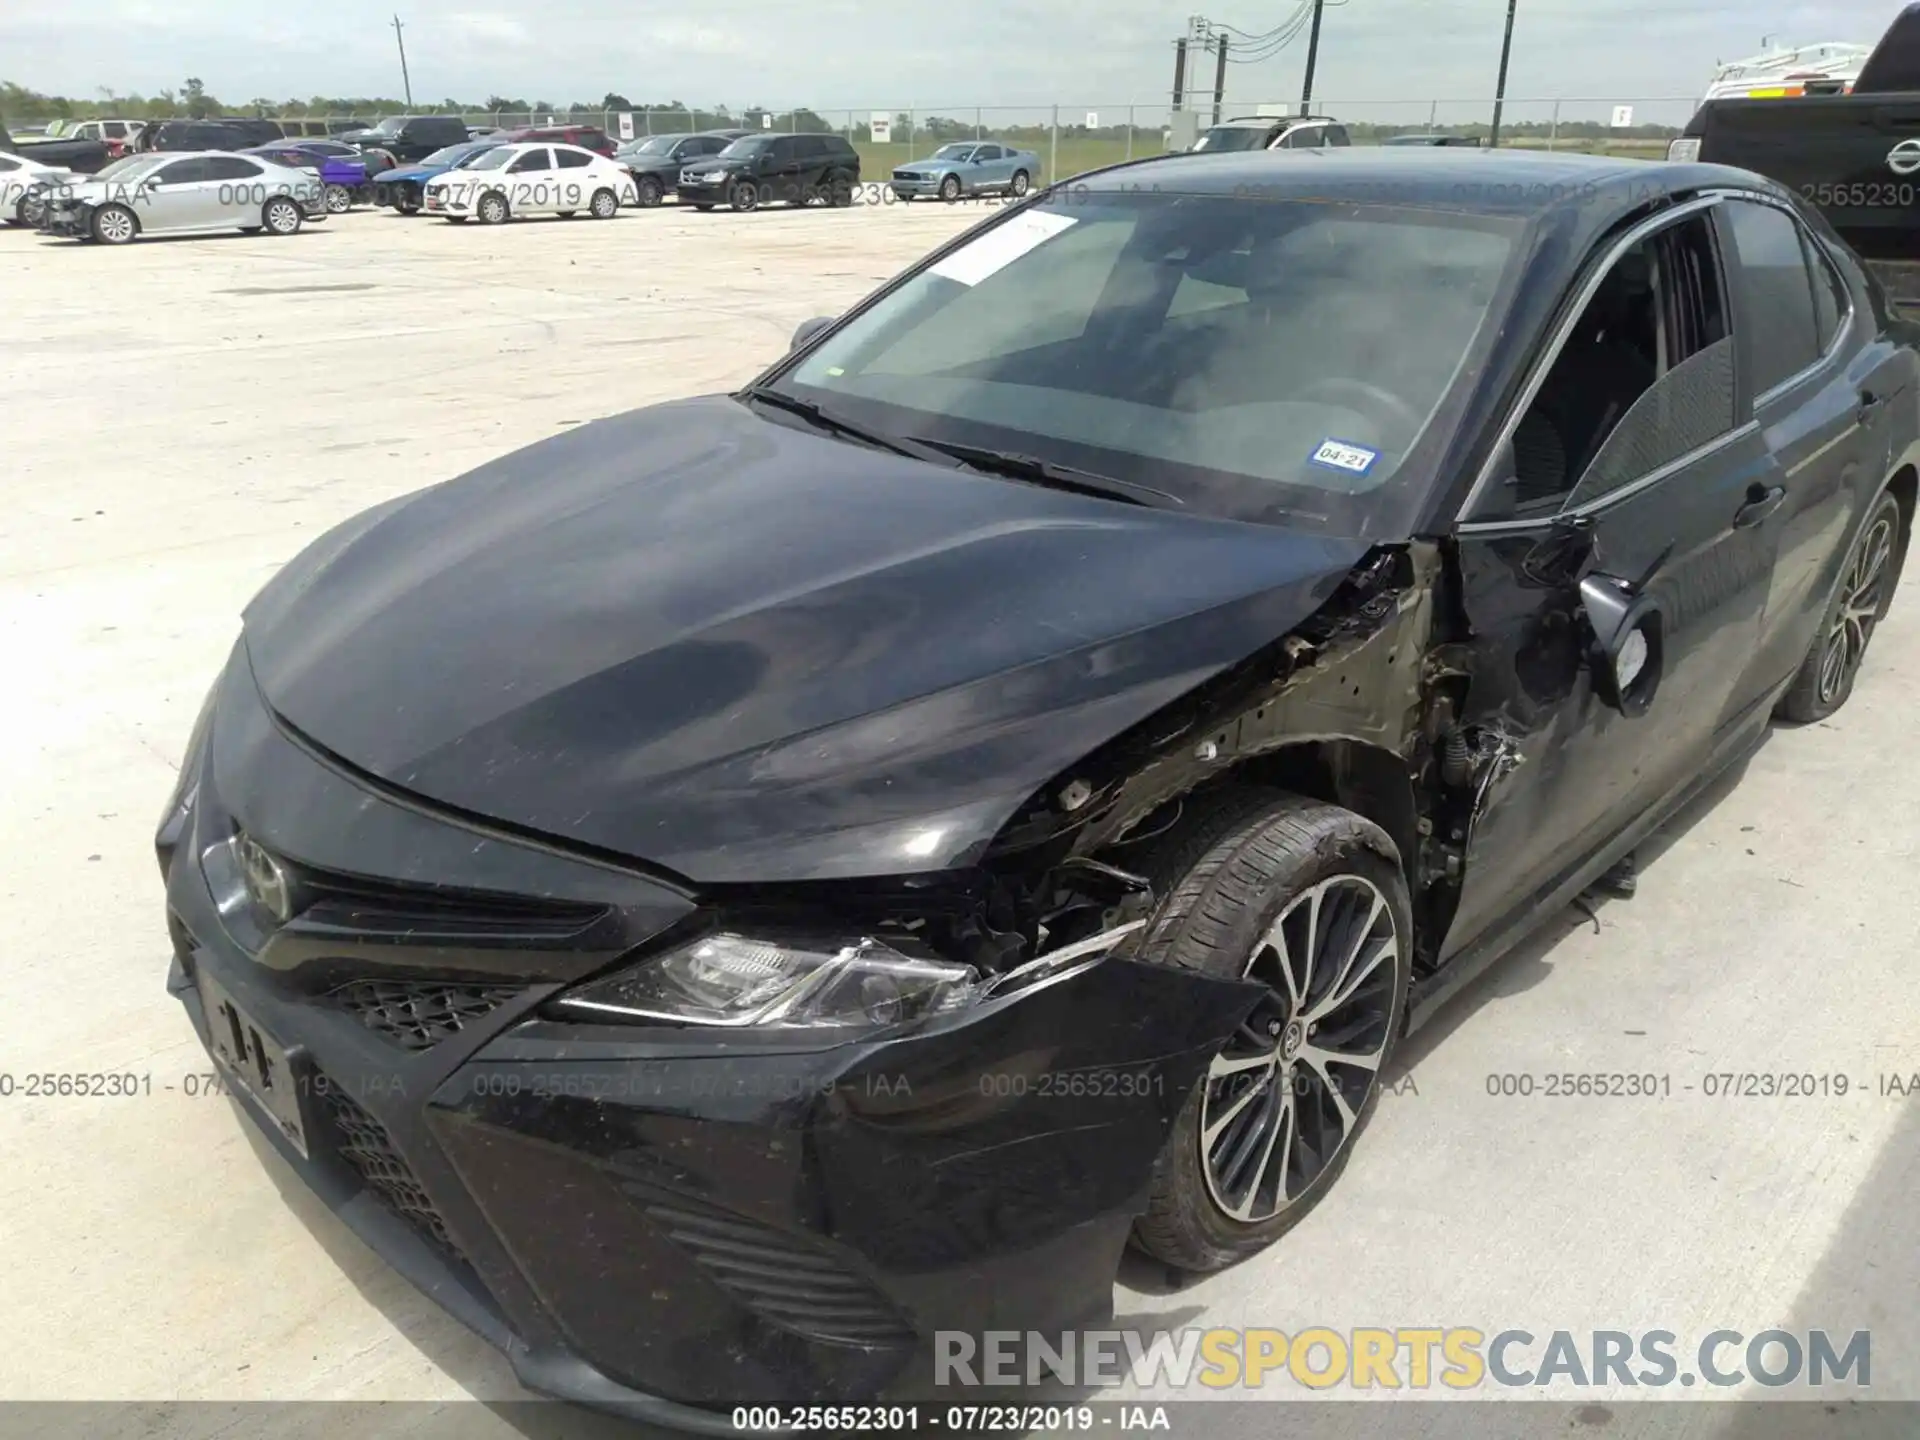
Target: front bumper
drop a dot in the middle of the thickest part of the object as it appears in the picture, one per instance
(707, 192)
(914, 189)
(668, 1222)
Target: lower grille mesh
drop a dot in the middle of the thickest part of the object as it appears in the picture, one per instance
(783, 1280)
(419, 1014)
(365, 1145)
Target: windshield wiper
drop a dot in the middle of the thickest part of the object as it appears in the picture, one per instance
(1036, 471)
(836, 424)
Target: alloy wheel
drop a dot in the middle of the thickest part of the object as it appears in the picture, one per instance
(282, 217)
(114, 225)
(1861, 594)
(1285, 1096)
(338, 200)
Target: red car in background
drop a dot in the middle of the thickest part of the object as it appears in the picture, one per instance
(587, 137)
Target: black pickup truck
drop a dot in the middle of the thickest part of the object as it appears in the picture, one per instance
(83, 156)
(1855, 156)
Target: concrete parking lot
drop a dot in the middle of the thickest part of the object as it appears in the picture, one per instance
(177, 418)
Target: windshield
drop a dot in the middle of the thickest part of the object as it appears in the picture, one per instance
(1235, 137)
(1256, 358)
(390, 126)
(747, 145)
(953, 152)
(489, 159)
(129, 168)
(652, 145)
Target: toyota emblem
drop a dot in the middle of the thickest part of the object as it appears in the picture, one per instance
(266, 881)
(1904, 158)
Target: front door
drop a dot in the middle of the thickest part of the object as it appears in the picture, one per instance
(1633, 461)
(177, 196)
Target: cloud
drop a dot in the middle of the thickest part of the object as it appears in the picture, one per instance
(1379, 58)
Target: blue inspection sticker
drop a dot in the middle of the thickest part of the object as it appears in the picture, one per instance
(1345, 455)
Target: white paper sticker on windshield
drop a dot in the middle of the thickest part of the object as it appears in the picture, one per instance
(1001, 246)
(1342, 455)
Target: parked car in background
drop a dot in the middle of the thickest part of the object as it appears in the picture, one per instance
(1274, 132)
(233, 132)
(117, 135)
(1435, 139)
(982, 167)
(403, 187)
(655, 161)
(791, 169)
(175, 194)
(84, 156)
(1854, 156)
(587, 137)
(24, 185)
(343, 177)
(408, 138)
(510, 180)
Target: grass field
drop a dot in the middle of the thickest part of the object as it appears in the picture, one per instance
(1077, 153)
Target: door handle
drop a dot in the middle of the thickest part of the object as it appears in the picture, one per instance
(1761, 502)
(1869, 402)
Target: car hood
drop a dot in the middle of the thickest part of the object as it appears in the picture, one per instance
(744, 651)
(414, 172)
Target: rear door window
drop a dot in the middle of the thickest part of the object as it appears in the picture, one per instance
(1776, 291)
(231, 167)
(572, 159)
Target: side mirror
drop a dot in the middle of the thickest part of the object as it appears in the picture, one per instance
(804, 336)
(1629, 633)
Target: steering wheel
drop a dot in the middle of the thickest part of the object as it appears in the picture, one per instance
(1366, 397)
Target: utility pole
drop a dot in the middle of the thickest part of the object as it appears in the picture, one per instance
(1219, 75)
(400, 40)
(1500, 88)
(1313, 56)
(1179, 70)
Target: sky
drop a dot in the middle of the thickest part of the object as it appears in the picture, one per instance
(1379, 59)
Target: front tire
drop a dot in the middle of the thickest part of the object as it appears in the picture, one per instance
(743, 196)
(1860, 602)
(648, 192)
(492, 209)
(1303, 897)
(280, 216)
(950, 189)
(113, 225)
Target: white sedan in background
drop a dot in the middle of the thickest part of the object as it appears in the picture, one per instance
(22, 198)
(537, 178)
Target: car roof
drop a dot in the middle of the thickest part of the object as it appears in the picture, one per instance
(1453, 177)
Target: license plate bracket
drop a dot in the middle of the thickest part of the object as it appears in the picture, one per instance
(258, 1066)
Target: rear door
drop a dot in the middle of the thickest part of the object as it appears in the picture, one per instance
(237, 190)
(572, 185)
(1821, 383)
(1632, 460)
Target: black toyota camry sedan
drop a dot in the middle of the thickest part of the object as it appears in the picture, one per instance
(738, 887)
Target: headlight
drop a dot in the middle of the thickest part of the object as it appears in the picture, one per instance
(816, 983)
(798, 982)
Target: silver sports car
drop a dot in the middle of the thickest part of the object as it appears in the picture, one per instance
(175, 193)
(968, 168)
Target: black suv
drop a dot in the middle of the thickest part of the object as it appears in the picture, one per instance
(655, 161)
(410, 138)
(228, 133)
(754, 169)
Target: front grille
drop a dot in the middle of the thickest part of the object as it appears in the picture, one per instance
(782, 1279)
(364, 1144)
(906, 174)
(419, 1014)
